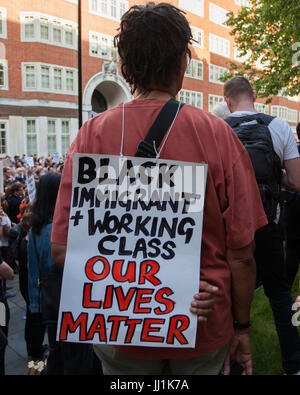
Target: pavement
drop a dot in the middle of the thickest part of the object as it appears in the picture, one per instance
(16, 353)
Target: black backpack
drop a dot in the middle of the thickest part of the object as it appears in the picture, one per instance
(257, 140)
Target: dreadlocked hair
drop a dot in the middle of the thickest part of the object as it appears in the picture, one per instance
(150, 44)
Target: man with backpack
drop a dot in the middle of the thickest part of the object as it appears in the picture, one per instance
(273, 151)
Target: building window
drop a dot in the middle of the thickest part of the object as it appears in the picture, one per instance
(65, 136)
(102, 46)
(44, 29)
(3, 147)
(45, 77)
(28, 26)
(191, 97)
(49, 78)
(3, 24)
(195, 69)
(214, 100)
(3, 74)
(31, 137)
(215, 73)
(112, 9)
(292, 116)
(193, 6)
(219, 45)
(263, 108)
(70, 80)
(57, 32)
(217, 14)
(37, 27)
(69, 35)
(57, 79)
(198, 37)
(51, 136)
(30, 77)
(285, 113)
(243, 3)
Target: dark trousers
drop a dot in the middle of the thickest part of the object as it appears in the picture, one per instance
(67, 358)
(271, 272)
(34, 335)
(292, 256)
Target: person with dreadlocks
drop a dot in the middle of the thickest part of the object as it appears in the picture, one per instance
(153, 45)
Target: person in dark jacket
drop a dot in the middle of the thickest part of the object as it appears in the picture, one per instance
(34, 328)
(14, 199)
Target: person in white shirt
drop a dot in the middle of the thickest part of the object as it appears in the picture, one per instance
(269, 254)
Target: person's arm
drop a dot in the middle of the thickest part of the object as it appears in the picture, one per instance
(243, 274)
(58, 252)
(291, 175)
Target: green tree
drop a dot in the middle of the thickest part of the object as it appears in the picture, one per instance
(268, 33)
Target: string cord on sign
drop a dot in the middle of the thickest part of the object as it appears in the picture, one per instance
(123, 129)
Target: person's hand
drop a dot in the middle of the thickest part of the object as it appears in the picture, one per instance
(239, 351)
(203, 302)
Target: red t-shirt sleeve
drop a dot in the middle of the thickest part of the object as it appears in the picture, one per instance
(62, 208)
(244, 213)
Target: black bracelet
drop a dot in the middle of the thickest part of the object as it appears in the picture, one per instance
(238, 325)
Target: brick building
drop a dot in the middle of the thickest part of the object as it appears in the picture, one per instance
(39, 67)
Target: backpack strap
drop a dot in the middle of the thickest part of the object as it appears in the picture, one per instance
(264, 119)
(158, 130)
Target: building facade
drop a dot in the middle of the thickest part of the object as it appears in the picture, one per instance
(39, 68)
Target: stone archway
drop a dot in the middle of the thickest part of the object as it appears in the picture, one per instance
(104, 90)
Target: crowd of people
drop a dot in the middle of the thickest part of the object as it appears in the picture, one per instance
(246, 215)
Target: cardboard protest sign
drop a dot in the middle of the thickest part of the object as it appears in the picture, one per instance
(55, 157)
(31, 188)
(29, 161)
(133, 256)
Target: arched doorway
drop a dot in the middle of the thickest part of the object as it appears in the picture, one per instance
(104, 91)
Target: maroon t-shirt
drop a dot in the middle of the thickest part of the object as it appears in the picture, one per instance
(232, 212)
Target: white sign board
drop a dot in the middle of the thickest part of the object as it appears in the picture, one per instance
(31, 188)
(133, 256)
(29, 161)
(55, 157)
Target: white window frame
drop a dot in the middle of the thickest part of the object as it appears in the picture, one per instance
(216, 100)
(3, 12)
(36, 132)
(189, 5)
(217, 72)
(196, 32)
(112, 52)
(217, 15)
(104, 8)
(52, 21)
(288, 114)
(52, 135)
(243, 3)
(4, 63)
(217, 49)
(6, 123)
(51, 89)
(185, 94)
(61, 133)
(191, 71)
(261, 107)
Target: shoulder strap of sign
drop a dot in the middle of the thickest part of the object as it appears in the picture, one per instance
(146, 148)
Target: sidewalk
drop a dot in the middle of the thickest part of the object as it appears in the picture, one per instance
(16, 354)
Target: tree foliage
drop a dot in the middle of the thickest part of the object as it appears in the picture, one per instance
(268, 33)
